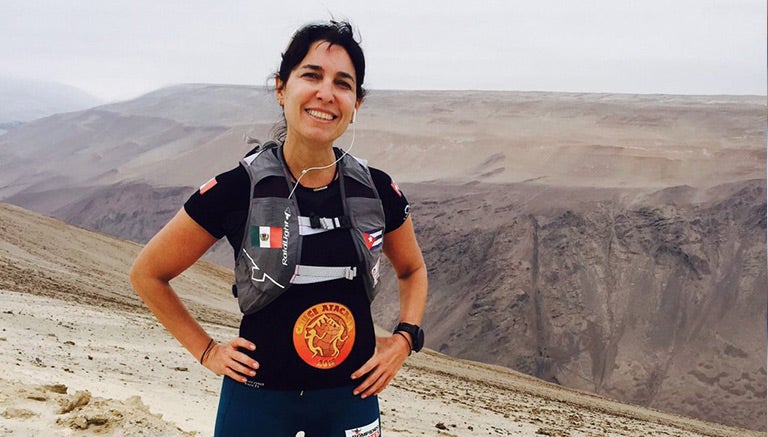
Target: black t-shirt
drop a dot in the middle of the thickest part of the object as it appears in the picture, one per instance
(288, 359)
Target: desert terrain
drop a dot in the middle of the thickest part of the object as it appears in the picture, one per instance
(615, 244)
(82, 356)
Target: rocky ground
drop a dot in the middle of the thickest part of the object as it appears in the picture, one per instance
(610, 243)
(81, 356)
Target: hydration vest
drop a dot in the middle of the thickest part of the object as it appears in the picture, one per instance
(268, 260)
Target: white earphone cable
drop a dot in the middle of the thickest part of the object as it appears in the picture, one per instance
(307, 170)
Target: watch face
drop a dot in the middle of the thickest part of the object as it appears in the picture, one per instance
(419, 340)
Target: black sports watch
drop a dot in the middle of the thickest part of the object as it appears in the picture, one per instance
(416, 333)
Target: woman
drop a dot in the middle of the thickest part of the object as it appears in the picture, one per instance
(308, 224)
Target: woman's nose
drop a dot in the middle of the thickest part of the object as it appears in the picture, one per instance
(325, 91)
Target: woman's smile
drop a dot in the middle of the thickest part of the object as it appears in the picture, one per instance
(316, 113)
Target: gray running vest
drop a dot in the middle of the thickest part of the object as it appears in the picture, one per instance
(268, 261)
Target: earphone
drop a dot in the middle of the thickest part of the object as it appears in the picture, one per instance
(307, 170)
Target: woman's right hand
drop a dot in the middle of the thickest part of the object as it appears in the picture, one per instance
(227, 360)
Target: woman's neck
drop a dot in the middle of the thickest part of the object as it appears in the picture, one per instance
(299, 158)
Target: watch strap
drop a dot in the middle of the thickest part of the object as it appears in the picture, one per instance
(415, 332)
(407, 340)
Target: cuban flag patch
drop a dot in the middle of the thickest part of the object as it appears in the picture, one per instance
(373, 239)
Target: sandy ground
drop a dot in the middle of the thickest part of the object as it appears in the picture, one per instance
(72, 369)
(80, 355)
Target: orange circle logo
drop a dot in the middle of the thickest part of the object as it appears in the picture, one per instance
(324, 335)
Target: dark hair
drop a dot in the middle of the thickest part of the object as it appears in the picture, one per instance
(335, 33)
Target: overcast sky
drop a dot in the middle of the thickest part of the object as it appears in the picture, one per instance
(116, 49)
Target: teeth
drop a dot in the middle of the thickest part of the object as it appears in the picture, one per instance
(319, 114)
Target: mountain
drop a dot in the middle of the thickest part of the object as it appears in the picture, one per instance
(499, 137)
(611, 243)
(83, 356)
(653, 299)
(27, 99)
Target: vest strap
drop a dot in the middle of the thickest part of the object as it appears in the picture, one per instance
(313, 274)
(315, 225)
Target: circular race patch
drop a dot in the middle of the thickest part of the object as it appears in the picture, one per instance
(324, 335)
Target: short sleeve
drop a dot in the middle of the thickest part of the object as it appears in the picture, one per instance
(396, 206)
(221, 204)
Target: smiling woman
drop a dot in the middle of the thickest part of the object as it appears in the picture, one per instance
(318, 101)
(308, 224)
(348, 67)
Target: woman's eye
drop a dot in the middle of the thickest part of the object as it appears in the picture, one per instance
(345, 85)
(311, 75)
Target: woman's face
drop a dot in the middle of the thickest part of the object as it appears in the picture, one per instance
(319, 97)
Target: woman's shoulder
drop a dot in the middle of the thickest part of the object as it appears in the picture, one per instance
(396, 205)
(221, 202)
(384, 183)
(237, 175)
(380, 177)
(221, 194)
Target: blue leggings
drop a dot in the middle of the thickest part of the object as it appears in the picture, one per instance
(246, 411)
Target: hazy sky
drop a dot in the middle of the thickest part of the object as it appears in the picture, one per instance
(118, 49)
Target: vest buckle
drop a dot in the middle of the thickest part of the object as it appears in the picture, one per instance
(350, 273)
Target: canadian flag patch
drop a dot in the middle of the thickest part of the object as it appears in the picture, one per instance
(208, 185)
(397, 189)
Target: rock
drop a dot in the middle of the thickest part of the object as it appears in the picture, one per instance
(56, 388)
(18, 413)
(78, 400)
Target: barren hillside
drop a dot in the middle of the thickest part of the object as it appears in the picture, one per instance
(83, 357)
(612, 243)
(653, 299)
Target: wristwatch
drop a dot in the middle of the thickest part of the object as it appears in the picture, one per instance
(416, 333)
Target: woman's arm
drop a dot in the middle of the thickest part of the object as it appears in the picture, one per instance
(403, 252)
(176, 247)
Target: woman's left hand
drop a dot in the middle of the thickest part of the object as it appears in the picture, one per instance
(389, 356)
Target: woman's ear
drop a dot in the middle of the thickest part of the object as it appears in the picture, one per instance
(279, 90)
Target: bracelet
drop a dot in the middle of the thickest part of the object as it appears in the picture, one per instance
(207, 349)
(410, 347)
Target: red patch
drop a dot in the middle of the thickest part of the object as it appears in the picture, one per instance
(324, 334)
(207, 186)
(397, 189)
